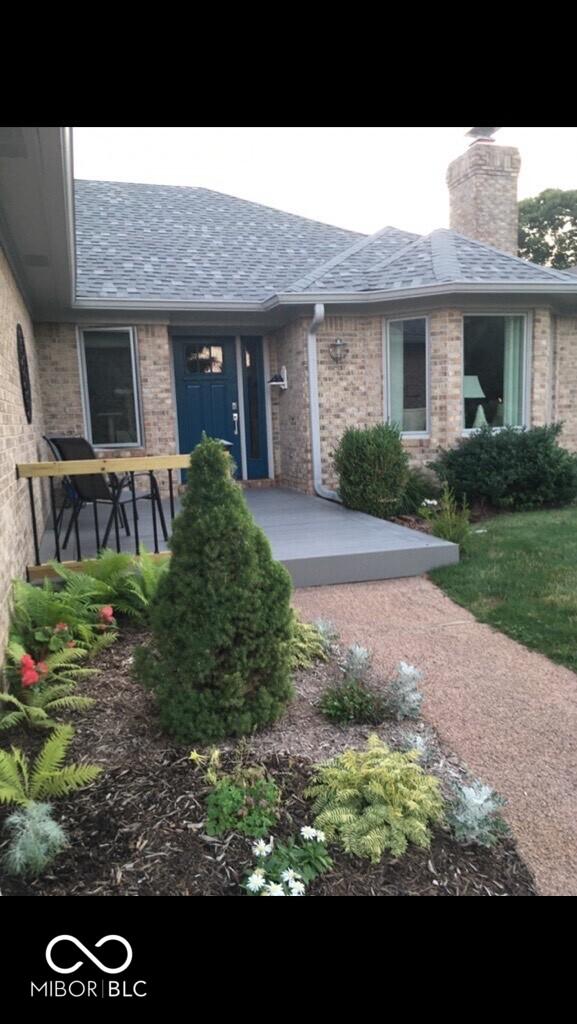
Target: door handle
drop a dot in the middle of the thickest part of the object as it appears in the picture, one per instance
(235, 421)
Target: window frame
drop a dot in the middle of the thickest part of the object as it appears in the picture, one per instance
(100, 329)
(417, 434)
(526, 316)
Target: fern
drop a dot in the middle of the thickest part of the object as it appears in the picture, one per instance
(39, 704)
(39, 612)
(375, 800)
(127, 582)
(48, 776)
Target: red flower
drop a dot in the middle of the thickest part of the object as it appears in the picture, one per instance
(107, 615)
(60, 627)
(28, 674)
(42, 667)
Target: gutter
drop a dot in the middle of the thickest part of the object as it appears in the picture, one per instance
(288, 299)
(320, 489)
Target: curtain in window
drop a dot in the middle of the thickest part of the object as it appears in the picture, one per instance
(513, 372)
(396, 370)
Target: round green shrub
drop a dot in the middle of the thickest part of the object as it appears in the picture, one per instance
(511, 468)
(221, 619)
(373, 469)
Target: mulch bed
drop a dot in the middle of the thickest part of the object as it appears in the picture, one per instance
(139, 831)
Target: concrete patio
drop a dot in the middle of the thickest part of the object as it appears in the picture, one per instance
(318, 541)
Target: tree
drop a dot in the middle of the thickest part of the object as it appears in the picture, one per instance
(221, 617)
(548, 228)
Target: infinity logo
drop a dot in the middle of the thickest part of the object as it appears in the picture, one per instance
(103, 967)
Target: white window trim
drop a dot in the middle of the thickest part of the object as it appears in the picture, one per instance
(80, 333)
(527, 357)
(417, 434)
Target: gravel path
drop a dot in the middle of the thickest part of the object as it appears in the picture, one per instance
(508, 713)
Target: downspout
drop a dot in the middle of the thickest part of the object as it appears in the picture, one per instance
(320, 489)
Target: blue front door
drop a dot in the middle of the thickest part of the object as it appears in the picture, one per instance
(206, 392)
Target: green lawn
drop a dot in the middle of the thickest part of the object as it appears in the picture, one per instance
(521, 577)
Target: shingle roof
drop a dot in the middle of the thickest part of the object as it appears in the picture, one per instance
(156, 241)
(160, 243)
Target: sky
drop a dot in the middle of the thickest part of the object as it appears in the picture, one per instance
(356, 178)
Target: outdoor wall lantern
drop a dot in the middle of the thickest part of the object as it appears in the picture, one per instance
(339, 350)
(279, 380)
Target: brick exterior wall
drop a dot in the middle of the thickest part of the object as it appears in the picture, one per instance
(543, 367)
(350, 393)
(566, 379)
(19, 442)
(60, 373)
(483, 194)
(290, 408)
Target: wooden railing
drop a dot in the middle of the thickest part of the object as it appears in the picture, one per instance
(117, 489)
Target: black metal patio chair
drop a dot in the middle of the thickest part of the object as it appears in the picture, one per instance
(99, 489)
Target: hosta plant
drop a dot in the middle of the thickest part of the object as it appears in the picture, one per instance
(375, 800)
(475, 815)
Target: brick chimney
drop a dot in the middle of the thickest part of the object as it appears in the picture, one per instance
(483, 191)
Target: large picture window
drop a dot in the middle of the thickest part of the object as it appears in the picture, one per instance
(407, 361)
(110, 393)
(494, 371)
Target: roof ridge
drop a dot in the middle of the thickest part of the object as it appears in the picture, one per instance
(557, 274)
(397, 255)
(224, 195)
(361, 243)
(444, 254)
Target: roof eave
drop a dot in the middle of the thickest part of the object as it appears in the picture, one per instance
(291, 299)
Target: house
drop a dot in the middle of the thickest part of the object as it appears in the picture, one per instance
(141, 315)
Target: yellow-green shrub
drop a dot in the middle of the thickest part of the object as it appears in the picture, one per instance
(374, 800)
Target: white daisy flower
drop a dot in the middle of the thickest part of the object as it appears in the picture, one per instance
(307, 832)
(273, 889)
(289, 876)
(297, 888)
(262, 849)
(320, 837)
(256, 881)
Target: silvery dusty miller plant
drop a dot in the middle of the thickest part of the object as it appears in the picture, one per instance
(357, 662)
(475, 815)
(36, 839)
(414, 741)
(328, 633)
(403, 696)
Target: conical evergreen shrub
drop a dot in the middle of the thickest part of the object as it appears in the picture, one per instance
(221, 617)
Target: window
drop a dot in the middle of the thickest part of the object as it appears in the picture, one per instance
(494, 371)
(110, 395)
(200, 358)
(408, 389)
